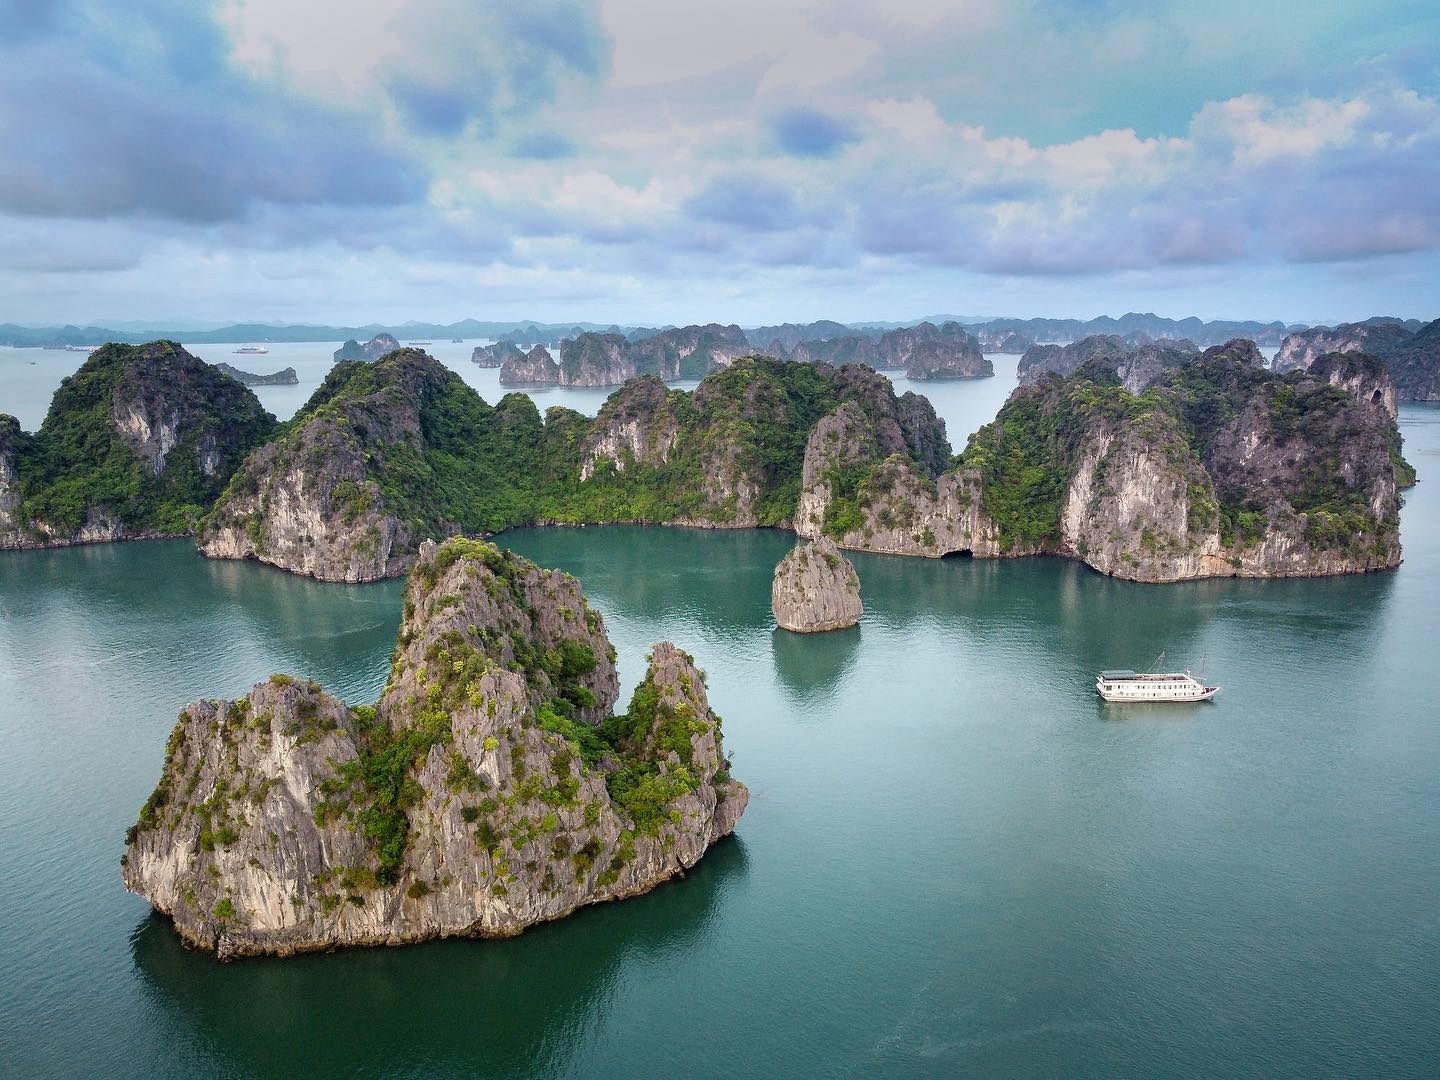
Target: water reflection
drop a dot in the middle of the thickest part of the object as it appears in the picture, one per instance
(812, 667)
(521, 1007)
(718, 579)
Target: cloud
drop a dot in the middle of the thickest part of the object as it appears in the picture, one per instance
(809, 133)
(141, 114)
(542, 146)
(747, 202)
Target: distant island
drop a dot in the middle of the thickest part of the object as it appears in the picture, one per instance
(1011, 335)
(283, 377)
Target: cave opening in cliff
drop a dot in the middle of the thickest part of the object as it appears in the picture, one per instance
(1376, 398)
(963, 553)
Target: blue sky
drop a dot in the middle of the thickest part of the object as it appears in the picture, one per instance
(753, 161)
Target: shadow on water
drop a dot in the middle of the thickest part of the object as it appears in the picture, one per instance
(811, 667)
(520, 1007)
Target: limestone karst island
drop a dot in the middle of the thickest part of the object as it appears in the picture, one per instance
(792, 539)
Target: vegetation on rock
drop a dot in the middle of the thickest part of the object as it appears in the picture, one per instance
(488, 789)
(142, 438)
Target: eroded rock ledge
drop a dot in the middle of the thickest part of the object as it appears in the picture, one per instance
(488, 790)
(816, 589)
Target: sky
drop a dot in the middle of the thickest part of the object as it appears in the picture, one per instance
(756, 161)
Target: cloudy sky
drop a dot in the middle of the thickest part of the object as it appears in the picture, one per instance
(751, 161)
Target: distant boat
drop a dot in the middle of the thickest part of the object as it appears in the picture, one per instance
(417, 343)
(81, 348)
(457, 341)
(1122, 684)
(248, 350)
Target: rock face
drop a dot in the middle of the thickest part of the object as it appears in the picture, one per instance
(1415, 365)
(383, 456)
(139, 442)
(373, 349)
(924, 352)
(488, 790)
(592, 359)
(494, 356)
(283, 377)
(815, 589)
(535, 368)
(1222, 469)
(1137, 364)
(1302, 349)
(1218, 467)
(1412, 357)
(1000, 340)
(635, 427)
(11, 441)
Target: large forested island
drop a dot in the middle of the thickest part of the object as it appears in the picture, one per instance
(1154, 463)
(489, 789)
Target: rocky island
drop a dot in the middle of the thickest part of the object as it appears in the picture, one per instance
(488, 790)
(1215, 467)
(387, 454)
(138, 443)
(1220, 468)
(1138, 363)
(610, 359)
(373, 349)
(923, 352)
(816, 589)
(1412, 356)
(283, 377)
(494, 356)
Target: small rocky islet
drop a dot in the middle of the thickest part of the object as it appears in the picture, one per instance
(489, 789)
(816, 589)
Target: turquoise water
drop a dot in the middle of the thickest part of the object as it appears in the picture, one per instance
(956, 860)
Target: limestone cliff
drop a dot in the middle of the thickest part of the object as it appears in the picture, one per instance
(139, 442)
(494, 356)
(535, 368)
(1000, 340)
(924, 352)
(1412, 357)
(635, 427)
(1301, 349)
(1137, 363)
(488, 790)
(1220, 469)
(946, 352)
(1415, 365)
(373, 349)
(383, 456)
(860, 487)
(816, 589)
(12, 440)
(595, 359)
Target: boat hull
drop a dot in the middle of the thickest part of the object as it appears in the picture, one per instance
(1179, 698)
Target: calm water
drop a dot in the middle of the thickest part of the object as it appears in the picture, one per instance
(956, 860)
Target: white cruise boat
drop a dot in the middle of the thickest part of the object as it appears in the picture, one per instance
(1123, 684)
(249, 350)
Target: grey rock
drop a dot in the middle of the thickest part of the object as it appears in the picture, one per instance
(815, 589)
(260, 836)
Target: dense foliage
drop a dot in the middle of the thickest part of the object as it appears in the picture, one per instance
(1026, 456)
(81, 463)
